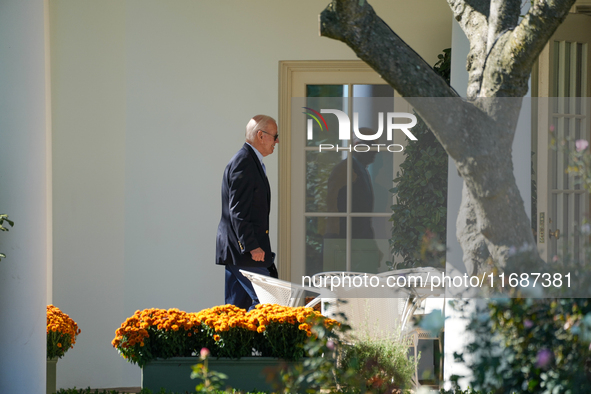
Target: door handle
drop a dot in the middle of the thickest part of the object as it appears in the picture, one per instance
(555, 233)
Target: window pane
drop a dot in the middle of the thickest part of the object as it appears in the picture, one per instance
(370, 248)
(325, 129)
(373, 91)
(372, 175)
(556, 77)
(328, 252)
(323, 254)
(370, 114)
(326, 182)
(326, 90)
(567, 76)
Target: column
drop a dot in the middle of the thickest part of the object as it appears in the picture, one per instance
(24, 196)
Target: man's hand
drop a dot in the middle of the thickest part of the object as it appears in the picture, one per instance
(258, 254)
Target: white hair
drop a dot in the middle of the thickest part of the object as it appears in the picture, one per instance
(258, 122)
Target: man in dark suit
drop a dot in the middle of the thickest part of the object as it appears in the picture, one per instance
(243, 233)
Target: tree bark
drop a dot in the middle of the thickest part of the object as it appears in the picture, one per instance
(478, 133)
(468, 233)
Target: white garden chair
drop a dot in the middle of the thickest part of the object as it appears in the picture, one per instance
(394, 313)
(276, 291)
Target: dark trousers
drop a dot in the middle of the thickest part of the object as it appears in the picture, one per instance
(239, 290)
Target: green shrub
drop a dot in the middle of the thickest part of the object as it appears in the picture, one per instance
(421, 191)
(538, 345)
(379, 364)
(531, 346)
(336, 366)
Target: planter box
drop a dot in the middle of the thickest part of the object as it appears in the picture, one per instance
(174, 374)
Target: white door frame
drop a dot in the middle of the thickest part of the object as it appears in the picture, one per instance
(293, 78)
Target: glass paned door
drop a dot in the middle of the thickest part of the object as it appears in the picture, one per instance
(564, 112)
(336, 202)
(343, 180)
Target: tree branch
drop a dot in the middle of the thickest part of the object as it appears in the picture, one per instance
(518, 50)
(458, 124)
(503, 16)
(534, 31)
(382, 49)
(468, 233)
(472, 16)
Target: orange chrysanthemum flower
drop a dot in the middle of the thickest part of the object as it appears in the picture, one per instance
(61, 332)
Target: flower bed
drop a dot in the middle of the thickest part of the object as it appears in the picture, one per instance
(227, 331)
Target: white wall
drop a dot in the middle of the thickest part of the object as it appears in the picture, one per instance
(24, 142)
(150, 101)
(89, 118)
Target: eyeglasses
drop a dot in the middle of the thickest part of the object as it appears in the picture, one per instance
(275, 136)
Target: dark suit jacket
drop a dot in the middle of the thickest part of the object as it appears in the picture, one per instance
(246, 203)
